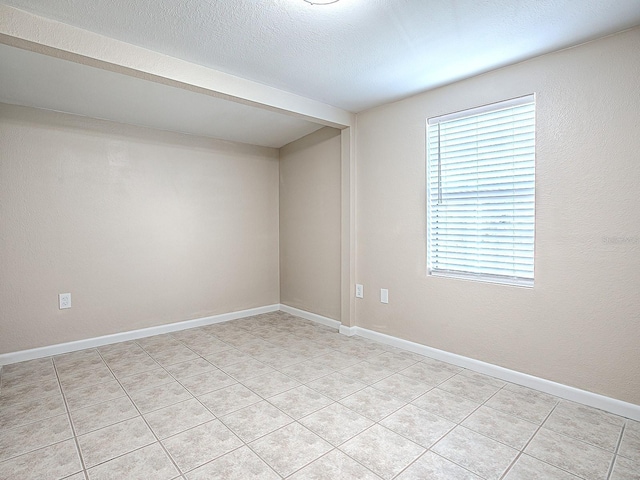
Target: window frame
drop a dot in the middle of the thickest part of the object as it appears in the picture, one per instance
(479, 277)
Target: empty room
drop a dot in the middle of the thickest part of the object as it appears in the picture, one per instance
(320, 239)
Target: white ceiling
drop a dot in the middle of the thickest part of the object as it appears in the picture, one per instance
(353, 54)
(36, 80)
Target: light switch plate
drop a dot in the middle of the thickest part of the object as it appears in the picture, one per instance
(384, 295)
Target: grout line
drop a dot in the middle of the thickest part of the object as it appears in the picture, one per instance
(213, 459)
(73, 429)
(312, 461)
(437, 454)
(615, 453)
(333, 448)
(624, 427)
(118, 456)
(459, 424)
(351, 438)
(263, 460)
(140, 413)
(37, 449)
(521, 450)
(540, 426)
(529, 442)
(510, 466)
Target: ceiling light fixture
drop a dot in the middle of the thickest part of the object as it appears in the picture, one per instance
(320, 2)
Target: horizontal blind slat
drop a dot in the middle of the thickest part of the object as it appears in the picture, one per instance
(499, 269)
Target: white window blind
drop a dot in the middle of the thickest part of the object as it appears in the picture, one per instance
(481, 193)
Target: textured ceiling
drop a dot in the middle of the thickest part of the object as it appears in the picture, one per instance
(354, 54)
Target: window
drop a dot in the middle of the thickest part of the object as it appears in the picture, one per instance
(481, 193)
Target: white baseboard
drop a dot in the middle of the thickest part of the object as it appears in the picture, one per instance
(584, 397)
(23, 355)
(329, 322)
(348, 331)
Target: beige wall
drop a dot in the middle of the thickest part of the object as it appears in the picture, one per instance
(143, 227)
(310, 223)
(580, 324)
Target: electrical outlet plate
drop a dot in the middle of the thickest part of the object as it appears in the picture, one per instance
(384, 295)
(64, 300)
(359, 291)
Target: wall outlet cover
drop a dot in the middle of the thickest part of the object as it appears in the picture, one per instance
(64, 300)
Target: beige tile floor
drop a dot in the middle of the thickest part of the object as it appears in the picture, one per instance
(274, 396)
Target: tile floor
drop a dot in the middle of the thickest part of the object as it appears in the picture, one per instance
(274, 396)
